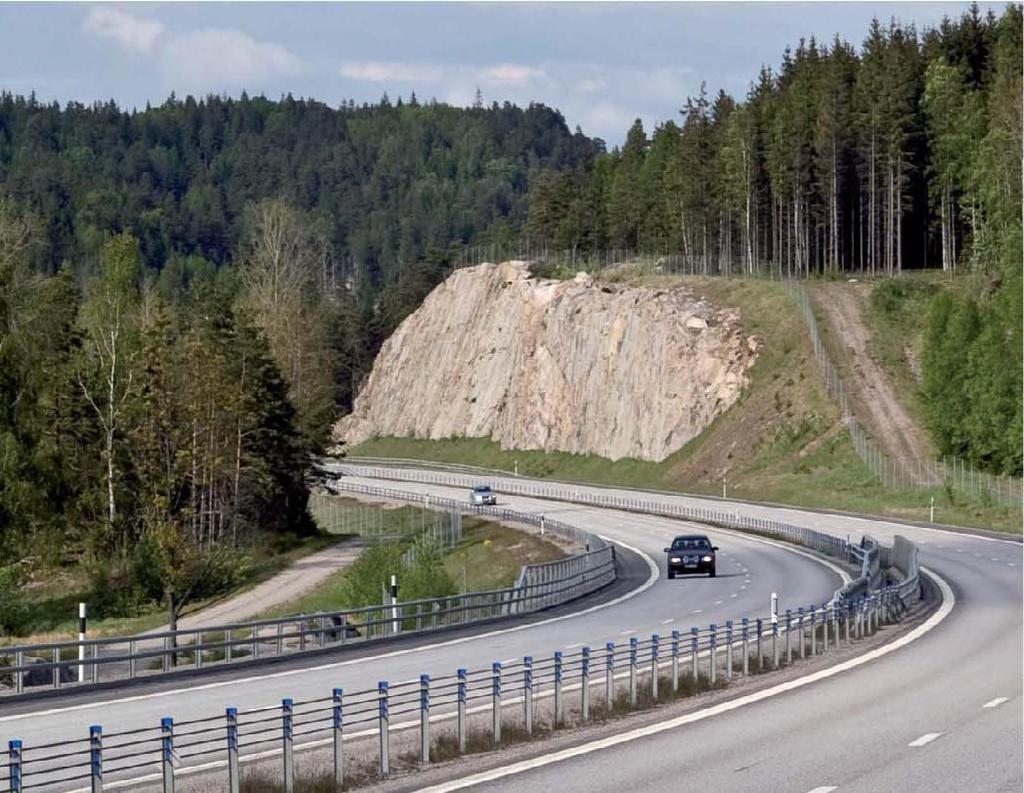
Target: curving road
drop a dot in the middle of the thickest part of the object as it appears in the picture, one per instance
(848, 732)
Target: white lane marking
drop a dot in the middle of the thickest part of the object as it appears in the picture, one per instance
(651, 581)
(697, 611)
(573, 646)
(733, 595)
(948, 601)
(669, 621)
(925, 739)
(995, 703)
(824, 789)
(628, 632)
(718, 602)
(743, 587)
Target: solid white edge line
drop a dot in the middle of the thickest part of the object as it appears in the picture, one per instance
(925, 739)
(948, 601)
(651, 580)
(995, 703)
(824, 789)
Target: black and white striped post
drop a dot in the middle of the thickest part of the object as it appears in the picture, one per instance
(558, 688)
(746, 647)
(81, 642)
(632, 671)
(609, 676)
(675, 662)
(814, 630)
(338, 736)
(96, 758)
(803, 640)
(168, 759)
(728, 649)
(654, 666)
(585, 684)
(713, 661)
(231, 717)
(395, 627)
(693, 654)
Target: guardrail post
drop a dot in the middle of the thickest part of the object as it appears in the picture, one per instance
(585, 684)
(14, 764)
(231, 717)
(789, 631)
(528, 693)
(675, 662)
(168, 759)
(382, 728)
(746, 648)
(803, 638)
(835, 624)
(424, 720)
(713, 657)
(338, 736)
(846, 620)
(558, 688)
(286, 745)
(460, 726)
(693, 654)
(609, 676)
(632, 671)
(654, 666)
(96, 758)
(775, 644)
(496, 702)
(728, 649)
(758, 641)
(824, 627)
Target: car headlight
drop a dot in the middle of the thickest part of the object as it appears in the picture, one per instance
(705, 558)
(675, 560)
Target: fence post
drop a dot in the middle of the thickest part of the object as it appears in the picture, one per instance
(424, 720)
(760, 654)
(789, 631)
(382, 727)
(585, 684)
(609, 676)
(728, 649)
(286, 745)
(231, 716)
(95, 758)
(713, 667)
(693, 653)
(746, 648)
(496, 702)
(824, 627)
(558, 688)
(654, 666)
(632, 670)
(528, 693)
(460, 727)
(14, 764)
(814, 631)
(803, 638)
(167, 756)
(675, 662)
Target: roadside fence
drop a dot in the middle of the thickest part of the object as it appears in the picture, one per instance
(539, 587)
(417, 722)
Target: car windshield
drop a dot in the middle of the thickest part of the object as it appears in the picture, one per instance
(691, 544)
(481, 489)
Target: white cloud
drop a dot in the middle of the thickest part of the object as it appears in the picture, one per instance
(131, 32)
(513, 74)
(214, 59)
(392, 72)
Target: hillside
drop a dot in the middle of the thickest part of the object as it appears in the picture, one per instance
(573, 366)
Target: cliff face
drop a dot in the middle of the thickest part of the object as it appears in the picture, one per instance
(572, 366)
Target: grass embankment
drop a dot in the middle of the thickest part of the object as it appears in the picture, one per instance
(782, 441)
(51, 602)
(489, 556)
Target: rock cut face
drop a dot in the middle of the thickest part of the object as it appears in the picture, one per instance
(575, 366)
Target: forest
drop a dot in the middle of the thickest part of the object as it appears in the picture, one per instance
(191, 293)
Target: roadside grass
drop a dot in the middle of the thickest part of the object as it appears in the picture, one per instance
(781, 442)
(488, 557)
(51, 601)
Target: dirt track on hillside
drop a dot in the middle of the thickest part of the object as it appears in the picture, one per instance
(872, 394)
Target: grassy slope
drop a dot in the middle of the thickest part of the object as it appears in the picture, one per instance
(782, 441)
(489, 557)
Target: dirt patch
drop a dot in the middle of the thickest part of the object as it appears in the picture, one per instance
(872, 394)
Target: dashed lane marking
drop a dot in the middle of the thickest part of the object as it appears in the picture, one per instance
(925, 739)
(995, 703)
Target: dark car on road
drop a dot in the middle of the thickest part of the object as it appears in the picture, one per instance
(691, 553)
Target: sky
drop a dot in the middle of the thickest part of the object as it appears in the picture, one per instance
(601, 64)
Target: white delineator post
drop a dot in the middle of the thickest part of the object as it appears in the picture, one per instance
(394, 604)
(775, 608)
(81, 642)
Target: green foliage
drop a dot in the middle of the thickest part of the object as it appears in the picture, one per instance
(12, 602)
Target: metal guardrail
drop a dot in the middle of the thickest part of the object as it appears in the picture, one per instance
(567, 687)
(540, 587)
(866, 556)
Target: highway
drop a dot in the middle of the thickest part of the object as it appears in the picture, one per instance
(852, 731)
